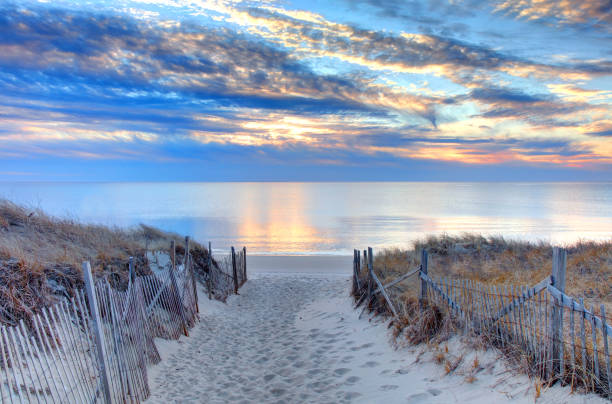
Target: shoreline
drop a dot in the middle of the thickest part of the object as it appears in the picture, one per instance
(334, 264)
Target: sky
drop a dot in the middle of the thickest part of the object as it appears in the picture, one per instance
(342, 90)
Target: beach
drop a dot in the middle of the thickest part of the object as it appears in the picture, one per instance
(295, 338)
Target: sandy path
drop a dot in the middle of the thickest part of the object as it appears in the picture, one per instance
(294, 339)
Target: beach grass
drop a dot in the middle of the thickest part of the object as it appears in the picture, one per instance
(41, 256)
(500, 261)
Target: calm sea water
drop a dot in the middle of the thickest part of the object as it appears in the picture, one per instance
(332, 218)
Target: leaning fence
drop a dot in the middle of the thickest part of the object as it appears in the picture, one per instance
(228, 275)
(560, 338)
(96, 346)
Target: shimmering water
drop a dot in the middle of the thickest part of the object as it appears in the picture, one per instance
(332, 218)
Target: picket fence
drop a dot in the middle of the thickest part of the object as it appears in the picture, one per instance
(230, 276)
(96, 346)
(558, 336)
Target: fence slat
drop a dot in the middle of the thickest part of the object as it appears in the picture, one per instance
(573, 338)
(583, 337)
(604, 331)
(382, 290)
(396, 281)
(423, 281)
(541, 341)
(594, 338)
(527, 318)
(97, 323)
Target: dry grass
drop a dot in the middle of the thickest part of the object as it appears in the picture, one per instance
(41, 256)
(497, 261)
(493, 261)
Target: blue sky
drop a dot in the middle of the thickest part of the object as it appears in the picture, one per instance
(306, 90)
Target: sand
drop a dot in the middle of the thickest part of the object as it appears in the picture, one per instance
(333, 264)
(295, 338)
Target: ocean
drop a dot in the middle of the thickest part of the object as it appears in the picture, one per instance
(332, 218)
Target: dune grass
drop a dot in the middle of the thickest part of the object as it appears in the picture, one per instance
(41, 256)
(498, 261)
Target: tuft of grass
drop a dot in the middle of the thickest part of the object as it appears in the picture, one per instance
(452, 364)
(470, 379)
(440, 358)
(538, 389)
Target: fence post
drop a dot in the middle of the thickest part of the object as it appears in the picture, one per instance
(234, 271)
(175, 286)
(209, 279)
(358, 270)
(97, 325)
(370, 270)
(354, 288)
(244, 257)
(189, 265)
(132, 274)
(423, 282)
(558, 281)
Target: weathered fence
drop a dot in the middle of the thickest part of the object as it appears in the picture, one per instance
(97, 345)
(560, 338)
(229, 274)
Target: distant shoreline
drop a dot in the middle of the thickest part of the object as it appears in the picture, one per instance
(336, 264)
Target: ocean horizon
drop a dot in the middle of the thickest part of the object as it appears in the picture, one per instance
(331, 218)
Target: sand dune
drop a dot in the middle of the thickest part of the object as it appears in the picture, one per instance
(296, 339)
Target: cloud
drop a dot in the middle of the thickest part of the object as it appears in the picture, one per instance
(432, 17)
(605, 133)
(542, 110)
(111, 87)
(116, 57)
(579, 13)
(460, 61)
(576, 13)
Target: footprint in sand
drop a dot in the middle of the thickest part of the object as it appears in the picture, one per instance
(418, 398)
(352, 380)
(278, 392)
(341, 371)
(434, 392)
(351, 395)
(364, 346)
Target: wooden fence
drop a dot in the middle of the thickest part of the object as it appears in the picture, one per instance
(97, 345)
(561, 339)
(229, 274)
